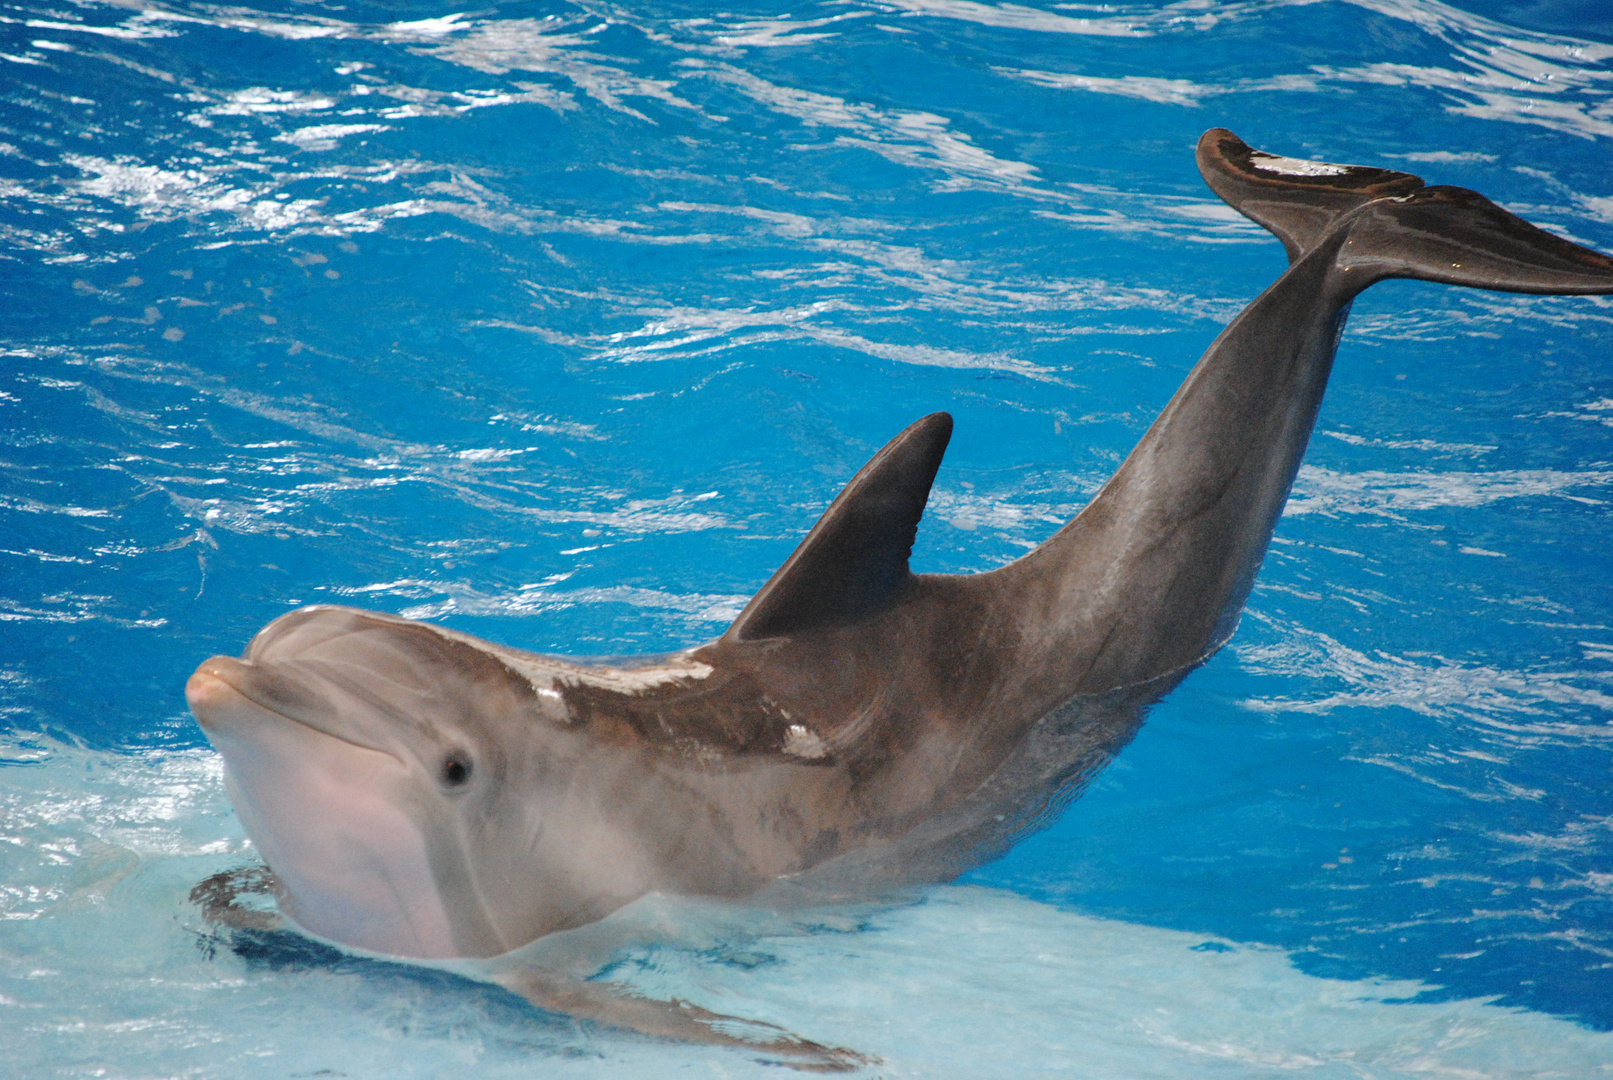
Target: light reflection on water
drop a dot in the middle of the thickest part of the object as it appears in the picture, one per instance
(560, 323)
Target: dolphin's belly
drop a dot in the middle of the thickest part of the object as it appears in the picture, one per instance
(1051, 766)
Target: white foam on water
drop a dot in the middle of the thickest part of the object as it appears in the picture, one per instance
(1513, 707)
(912, 138)
(1319, 490)
(698, 608)
(1020, 17)
(106, 969)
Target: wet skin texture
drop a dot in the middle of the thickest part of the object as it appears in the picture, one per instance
(423, 793)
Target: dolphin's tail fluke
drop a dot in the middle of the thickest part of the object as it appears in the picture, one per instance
(1297, 200)
(1395, 227)
(1458, 237)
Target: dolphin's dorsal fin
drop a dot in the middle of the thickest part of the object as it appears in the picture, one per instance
(855, 557)
(1297, 200)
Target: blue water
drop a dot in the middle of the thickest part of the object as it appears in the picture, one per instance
(559, 323)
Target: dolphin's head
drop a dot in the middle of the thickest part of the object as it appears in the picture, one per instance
(391, 776)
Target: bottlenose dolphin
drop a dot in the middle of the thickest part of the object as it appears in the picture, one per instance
(423, 793)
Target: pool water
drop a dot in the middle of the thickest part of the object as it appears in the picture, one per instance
(560, 323)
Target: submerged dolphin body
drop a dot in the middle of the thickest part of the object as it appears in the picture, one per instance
(424, 793)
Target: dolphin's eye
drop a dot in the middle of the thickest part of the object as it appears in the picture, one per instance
(455, 770)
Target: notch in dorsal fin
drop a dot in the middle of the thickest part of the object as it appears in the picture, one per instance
(855, 558)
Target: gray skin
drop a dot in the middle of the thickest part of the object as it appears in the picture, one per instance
(423, 793)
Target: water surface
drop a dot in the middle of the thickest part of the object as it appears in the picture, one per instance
(559, 323)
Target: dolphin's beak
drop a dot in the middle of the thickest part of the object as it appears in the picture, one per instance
(331, 816)
(213, 700)
(226, 694)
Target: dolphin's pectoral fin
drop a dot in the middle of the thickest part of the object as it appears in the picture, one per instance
(228, 900)
(855, 557)
(616, 1007)
(225, 899)
(1297, 200)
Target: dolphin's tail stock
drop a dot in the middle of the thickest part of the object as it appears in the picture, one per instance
(1150, 578)
(1394, 226)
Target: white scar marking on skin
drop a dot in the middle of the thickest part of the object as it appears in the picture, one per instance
(1287, 166)
(803, 742)
(636, 680)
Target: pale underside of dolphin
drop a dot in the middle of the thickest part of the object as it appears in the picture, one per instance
(423, 793)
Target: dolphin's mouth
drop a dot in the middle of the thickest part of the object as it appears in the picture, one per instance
(332, 814)
(222, 689)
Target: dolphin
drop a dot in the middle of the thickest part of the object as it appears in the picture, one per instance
(422, 793)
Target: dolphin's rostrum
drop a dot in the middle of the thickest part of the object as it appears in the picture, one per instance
(420, 792)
